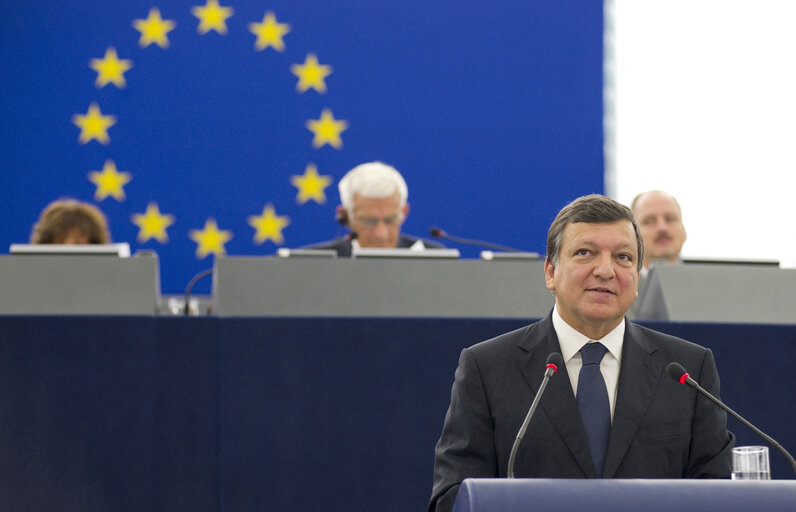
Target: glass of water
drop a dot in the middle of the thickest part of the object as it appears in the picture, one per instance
(750, 463)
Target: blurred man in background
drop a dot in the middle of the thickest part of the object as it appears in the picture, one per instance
(374, 207)
(660, 220)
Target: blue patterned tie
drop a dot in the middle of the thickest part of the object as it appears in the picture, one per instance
(595, 411)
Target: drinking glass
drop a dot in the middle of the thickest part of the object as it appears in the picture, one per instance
(750, 463)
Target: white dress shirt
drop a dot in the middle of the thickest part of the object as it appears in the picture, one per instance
(571, 342)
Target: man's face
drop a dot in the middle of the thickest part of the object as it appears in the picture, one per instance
(659, 220)
(377, 221)
(595, 280)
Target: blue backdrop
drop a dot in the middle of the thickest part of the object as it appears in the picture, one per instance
(491, 110)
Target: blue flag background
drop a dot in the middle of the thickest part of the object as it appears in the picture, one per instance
(491, 110)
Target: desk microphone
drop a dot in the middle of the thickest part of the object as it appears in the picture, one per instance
(438, 233)
(186, 310)
(554, 361)
(678, 373)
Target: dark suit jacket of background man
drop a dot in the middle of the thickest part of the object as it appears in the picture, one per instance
(660, 428)
(343, 245)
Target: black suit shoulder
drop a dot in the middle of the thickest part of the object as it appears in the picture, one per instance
(667, 348)
(525, 339)
(661, 338)
(500, 342)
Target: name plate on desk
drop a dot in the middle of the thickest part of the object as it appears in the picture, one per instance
(718, 293)
(257, 286)
(56, 284)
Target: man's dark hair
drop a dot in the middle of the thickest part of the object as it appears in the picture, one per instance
(592, 209)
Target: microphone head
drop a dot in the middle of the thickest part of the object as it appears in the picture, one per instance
(677, 372)
(554, 361)
(435, 232)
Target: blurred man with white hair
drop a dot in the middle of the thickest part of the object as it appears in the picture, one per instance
(374, 207)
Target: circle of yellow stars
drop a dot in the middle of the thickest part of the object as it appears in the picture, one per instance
(212, 16)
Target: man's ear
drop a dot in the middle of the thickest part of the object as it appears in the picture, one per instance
(341, 215)
(549, 273)
(405, 211)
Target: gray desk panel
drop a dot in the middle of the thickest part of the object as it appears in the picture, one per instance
(719, 293)
(78, 285)
(251, 286)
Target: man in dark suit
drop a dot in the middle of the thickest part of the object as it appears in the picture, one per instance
(374, 207)
(616, 416)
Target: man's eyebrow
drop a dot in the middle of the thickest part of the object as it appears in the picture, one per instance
(590, 244)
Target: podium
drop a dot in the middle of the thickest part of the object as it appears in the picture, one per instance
(610, 495)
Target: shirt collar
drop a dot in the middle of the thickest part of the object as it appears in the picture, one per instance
(571, 341)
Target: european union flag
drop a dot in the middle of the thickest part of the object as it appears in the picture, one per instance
(210, 127)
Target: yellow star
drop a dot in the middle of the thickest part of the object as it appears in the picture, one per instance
(311, 74)
(154, 29)
(327, 130)
(109, 181)
(110, 69)
(212, 17)
(310, 185)
(152, 224)
(93, 125)
(269, 33)
(269, 226)
(210, 239)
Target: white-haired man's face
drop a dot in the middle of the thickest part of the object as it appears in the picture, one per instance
(378, 220)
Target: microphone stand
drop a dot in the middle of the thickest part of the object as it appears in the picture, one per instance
(439, 233)
(685, 378)
(551, 369)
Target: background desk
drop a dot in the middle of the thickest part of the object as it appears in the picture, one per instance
(718, 293)
(275, 287)
(237, 414)
(79, 285)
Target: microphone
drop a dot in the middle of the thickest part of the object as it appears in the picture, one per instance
(678, 373)
(186, 310)
(438, 233)
(554, 361)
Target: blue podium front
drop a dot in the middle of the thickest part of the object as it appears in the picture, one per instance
(610, 495)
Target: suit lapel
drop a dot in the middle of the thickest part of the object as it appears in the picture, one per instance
(638, 379)
(558, 403)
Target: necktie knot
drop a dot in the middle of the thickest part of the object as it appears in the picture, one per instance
(592, 353)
